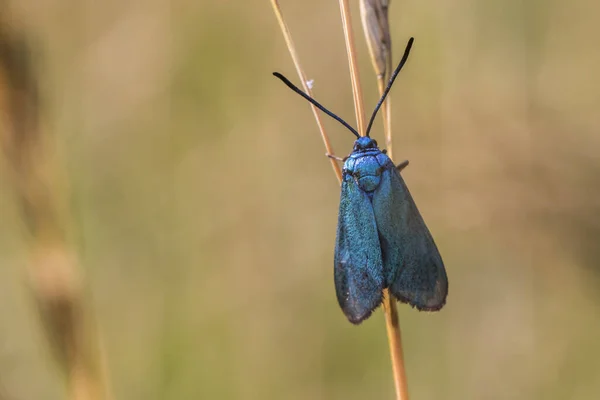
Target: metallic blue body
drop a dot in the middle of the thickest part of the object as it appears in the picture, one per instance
(382, 240)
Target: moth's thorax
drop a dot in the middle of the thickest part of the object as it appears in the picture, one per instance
(365, 164)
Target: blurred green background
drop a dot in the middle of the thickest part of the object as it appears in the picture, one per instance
(205, 210)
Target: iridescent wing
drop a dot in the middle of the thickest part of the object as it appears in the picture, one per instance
(358, 269)
(412, 264)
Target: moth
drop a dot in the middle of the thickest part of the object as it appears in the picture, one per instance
(382, 240)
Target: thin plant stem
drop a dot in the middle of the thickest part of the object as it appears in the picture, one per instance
(392, 322)
(375, 22)
(390, 310)
(389, 306)
(292, 49)
(386, 115)
(353, 64)
(392, 325)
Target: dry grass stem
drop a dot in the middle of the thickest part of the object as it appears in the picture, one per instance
(374, 15)
(392, 325)
(384, 68)
(53, 269)
(292, 49)
(353, 64)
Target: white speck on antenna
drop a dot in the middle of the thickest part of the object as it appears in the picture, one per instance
(310, 83)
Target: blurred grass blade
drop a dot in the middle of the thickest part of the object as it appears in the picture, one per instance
(53, 270)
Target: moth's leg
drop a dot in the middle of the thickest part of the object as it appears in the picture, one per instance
(402, 165)
(336, 157)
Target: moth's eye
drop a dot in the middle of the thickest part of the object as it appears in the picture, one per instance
(374, 143)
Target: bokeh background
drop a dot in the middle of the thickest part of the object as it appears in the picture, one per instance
(204, 210)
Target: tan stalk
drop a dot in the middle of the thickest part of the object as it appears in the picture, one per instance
(374, 16)
(54, 273)
(392, 325)
(391, 314)
(292, 49)
(353, 64)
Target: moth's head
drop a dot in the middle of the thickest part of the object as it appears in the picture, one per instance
(364, 143)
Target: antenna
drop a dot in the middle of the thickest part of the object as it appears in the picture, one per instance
(391, 81)
(377, 107)
(316, 103)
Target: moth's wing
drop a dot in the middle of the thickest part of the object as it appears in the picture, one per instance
(412, 264)
(358, 269)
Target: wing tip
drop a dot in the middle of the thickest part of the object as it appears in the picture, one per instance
(419, 307)
(357, 319)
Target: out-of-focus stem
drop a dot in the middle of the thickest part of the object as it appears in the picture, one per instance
(53, 270)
